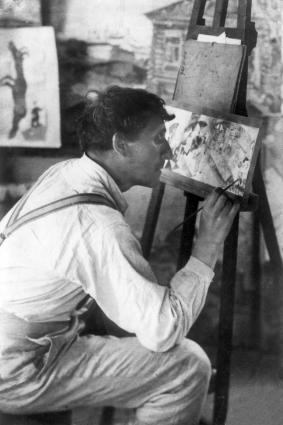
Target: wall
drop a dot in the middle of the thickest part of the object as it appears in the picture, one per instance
(265, 72)
(169, 22)
(26, 11)
(100, 51)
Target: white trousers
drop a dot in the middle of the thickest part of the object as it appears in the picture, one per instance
(65, 370)
(165, 388)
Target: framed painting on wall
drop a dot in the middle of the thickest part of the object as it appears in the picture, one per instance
(211, 149)
(29, 88)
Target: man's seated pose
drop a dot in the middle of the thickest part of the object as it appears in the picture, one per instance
(53, 266)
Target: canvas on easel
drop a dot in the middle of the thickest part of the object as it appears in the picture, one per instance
(211, 149)
(209, 75)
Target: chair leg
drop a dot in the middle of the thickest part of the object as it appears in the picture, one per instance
(107, 415)
(50, 418)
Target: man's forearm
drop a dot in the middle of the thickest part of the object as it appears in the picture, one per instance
(207, 252)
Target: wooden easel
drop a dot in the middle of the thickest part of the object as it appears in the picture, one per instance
(245, 31)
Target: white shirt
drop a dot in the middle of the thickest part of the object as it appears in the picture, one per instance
(47, 266)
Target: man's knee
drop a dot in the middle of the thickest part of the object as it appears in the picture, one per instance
(195, 360)
(183, 390)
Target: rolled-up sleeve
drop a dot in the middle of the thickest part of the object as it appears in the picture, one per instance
(125, 287)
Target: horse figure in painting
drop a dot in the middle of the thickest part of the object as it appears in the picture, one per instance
(18, 86)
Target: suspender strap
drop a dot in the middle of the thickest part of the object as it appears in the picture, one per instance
(23, 200)
(84, 198)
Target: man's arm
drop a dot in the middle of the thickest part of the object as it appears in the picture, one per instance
(215, 223)
(113, 271)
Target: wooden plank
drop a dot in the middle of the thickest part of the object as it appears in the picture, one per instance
(49, 418)
(244, 13)
(188, 232)
(45, 10)
(151, 219)
(107, 415)
(220, 13)
(225, 330)
(240, 105)
(266, 221)
(227, 297)
(256, 274)
(202, 189)
(197, 14)
(273, 249)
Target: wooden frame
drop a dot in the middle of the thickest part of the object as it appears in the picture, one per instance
(29, 88)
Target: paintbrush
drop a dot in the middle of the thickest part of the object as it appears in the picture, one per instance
(221, 192)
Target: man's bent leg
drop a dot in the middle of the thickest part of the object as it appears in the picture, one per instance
(180, 399)
(165, 388)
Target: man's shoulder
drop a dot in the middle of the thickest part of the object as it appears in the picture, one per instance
(58, 165)
(103, 215)
(103, 223)
(107, 220)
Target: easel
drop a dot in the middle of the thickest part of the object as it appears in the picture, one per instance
(245, 31)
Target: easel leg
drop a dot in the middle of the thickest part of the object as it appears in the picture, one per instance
(256, 283)
(225, 335)
(266, 221)
(151, 219)
(107, 415)
(273, 249)
(188, 231)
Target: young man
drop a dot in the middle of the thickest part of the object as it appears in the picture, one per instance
(52, 266)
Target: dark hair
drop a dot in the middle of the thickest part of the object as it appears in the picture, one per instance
(117, 109)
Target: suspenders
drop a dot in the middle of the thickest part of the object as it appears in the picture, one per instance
(15, 223)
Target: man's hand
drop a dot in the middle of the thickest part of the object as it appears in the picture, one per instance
(215, 223)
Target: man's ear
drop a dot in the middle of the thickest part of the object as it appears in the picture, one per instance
(119, 144)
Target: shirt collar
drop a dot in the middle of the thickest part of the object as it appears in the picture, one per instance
(103, 182)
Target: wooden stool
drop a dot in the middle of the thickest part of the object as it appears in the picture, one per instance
(50, 418)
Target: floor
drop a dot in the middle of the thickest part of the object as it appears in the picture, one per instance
(256, 395)
(256, 392)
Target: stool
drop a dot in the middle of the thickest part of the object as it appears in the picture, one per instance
(50, 418)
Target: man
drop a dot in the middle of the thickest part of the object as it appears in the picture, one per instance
(49, 265)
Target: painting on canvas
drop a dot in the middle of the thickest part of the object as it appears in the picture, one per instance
(29, 90)
(215, 150)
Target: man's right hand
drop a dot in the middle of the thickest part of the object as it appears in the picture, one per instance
(215, 223)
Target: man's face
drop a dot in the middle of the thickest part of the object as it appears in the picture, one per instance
(148, 153)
